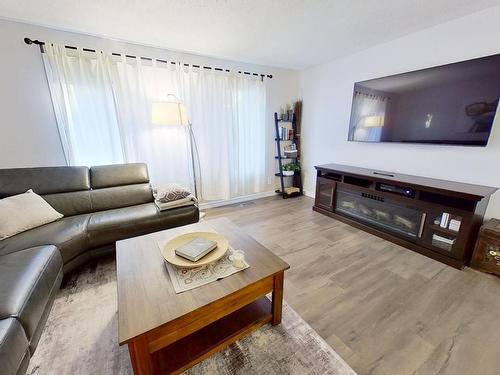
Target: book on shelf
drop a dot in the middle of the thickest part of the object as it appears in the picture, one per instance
(443, 242)
(448, 241)
(285, 134)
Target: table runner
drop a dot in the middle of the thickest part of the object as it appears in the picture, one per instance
(189, 278)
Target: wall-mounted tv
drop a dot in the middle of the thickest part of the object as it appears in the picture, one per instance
(452, 104)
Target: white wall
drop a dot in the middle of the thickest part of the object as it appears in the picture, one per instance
(327, 93)
(28, 135)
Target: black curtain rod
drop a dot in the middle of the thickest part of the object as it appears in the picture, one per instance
(40, 44)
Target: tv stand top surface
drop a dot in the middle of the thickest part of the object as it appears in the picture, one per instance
(475, 192)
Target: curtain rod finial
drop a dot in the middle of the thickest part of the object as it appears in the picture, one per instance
(31, 41)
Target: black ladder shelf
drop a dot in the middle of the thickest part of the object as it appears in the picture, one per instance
(297, 177)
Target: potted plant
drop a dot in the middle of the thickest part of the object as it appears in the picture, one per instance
(290, 169)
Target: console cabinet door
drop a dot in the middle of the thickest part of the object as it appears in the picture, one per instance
(433, 232)
(325, 193)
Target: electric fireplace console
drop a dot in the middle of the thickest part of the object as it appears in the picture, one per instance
(437, 218)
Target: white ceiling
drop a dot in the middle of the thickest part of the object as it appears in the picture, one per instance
(285, 33)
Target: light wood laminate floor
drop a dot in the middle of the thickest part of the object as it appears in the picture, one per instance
(383, 308)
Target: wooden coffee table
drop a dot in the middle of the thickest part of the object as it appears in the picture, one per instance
(168, 332)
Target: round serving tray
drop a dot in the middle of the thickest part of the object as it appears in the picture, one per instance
(169, 255)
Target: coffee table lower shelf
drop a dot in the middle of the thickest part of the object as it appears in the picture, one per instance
(182, 354)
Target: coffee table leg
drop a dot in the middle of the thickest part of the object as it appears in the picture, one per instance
(277, 298)
(140, 357)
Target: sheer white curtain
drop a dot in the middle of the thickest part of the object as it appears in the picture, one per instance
(165, 149)
(84, 107)
(227, 111)
(228, 115)
(250, 155)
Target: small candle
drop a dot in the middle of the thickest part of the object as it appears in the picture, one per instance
(238, 259)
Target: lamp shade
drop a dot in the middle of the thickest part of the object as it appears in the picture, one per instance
(169, 113)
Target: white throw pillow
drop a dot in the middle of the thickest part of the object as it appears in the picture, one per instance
(19, 213)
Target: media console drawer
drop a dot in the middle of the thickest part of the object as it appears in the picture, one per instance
(437, 218)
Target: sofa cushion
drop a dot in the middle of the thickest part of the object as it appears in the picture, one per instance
(43, 180)
(118, 174)
(71, 203)
(21, 212)
(24, 364)
(35, 337)
(68, 234)
(120, 196)
(110, 226)
(13, 347)
(28, 279)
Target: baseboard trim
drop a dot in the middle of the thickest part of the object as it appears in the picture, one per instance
(226, 202)
(310, 193)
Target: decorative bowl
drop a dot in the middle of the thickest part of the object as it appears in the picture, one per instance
(168, 251)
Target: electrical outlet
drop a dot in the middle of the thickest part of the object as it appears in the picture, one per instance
(269, 180)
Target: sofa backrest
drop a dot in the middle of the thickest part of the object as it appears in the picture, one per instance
(78, 190)
(120, 185)
(67, 189)
(43, 180)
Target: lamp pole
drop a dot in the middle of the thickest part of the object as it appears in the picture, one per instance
(192, 146)
(174, 113)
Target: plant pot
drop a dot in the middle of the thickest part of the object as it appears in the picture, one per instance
(288, 173)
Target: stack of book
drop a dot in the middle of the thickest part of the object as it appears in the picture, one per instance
(443, 242)
(285, 134)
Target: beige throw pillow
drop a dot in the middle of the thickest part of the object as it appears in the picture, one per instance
(19, 213)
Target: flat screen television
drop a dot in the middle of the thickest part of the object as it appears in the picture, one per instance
(452, 104)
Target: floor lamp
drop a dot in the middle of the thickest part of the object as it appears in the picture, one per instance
(174, 113)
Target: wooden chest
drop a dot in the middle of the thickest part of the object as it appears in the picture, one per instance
(487, 252)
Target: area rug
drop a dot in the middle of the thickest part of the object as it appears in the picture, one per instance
(82, 332)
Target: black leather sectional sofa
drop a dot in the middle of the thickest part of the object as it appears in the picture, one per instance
(101, 205)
